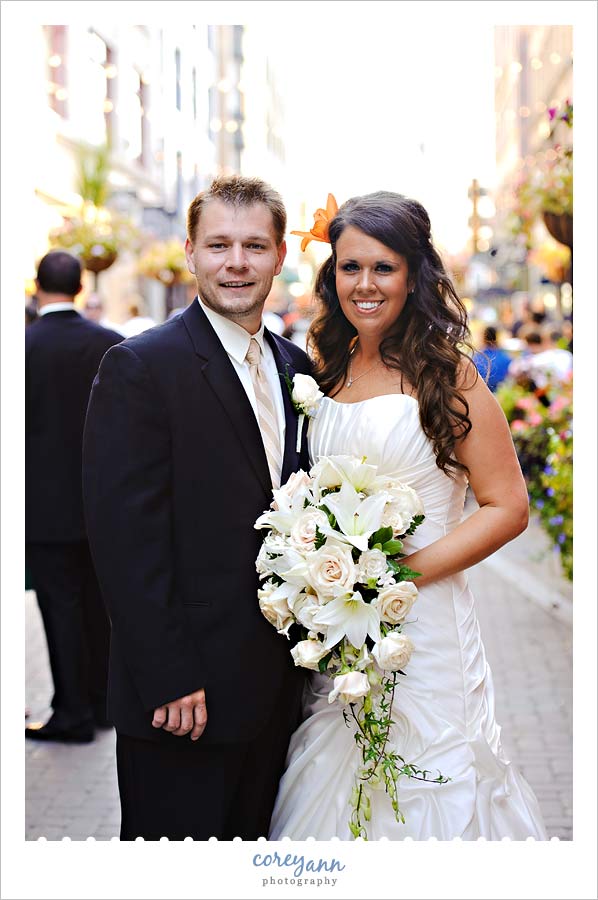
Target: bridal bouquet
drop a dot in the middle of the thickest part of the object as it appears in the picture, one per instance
(330, 566)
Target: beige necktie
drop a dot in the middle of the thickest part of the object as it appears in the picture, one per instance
(266, 412)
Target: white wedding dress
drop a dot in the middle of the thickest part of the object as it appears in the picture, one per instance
(443, 706)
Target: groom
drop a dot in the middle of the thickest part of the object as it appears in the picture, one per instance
(189, 426)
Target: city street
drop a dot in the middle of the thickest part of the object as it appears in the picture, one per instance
(71, 790)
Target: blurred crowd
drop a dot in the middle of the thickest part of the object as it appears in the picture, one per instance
(535, 351)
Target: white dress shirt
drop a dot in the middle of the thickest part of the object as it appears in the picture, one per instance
(56, 307)
(235, 341)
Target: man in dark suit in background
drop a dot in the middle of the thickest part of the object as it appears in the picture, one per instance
(182, 448)
(62, 355)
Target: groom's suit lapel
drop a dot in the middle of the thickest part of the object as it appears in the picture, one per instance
(220, 375)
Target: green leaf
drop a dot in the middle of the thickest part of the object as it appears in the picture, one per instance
(417, 520)
(331, 517)
(406, 574)
(381, 536)
(323, 663)
(392, 547)
(319, 539)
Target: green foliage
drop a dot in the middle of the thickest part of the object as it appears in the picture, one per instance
(320, 539)
(379, 764)
(543, 438)
(381, 536)
(93, 164)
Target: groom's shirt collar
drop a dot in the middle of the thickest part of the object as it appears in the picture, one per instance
(233, 337)
(56, 307)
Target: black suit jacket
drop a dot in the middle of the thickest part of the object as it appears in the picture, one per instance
(175, 475)
(62, 355)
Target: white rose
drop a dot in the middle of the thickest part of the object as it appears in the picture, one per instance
(331, 570)
(393, 652)
(274, 606)
(371, 564)
(303, 532)
(297, 484)
(304, 609)
(308, 654)
(394, 603)
(349, 687)
(403, 506)
(306, 393)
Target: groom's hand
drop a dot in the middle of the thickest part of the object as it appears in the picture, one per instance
(187, 714)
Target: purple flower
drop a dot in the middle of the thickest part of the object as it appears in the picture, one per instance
(550, 492)
(556, 520)
(561, 538)
(548, 470)
(551, 112)
(539, 504)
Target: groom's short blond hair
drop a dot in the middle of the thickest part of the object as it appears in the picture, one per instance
(239, 190)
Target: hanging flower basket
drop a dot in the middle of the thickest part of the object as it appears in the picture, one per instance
(96, 236)
(99, 263)
(560, 226)
(165, 261)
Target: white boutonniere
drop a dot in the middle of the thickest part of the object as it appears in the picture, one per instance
(305, 397)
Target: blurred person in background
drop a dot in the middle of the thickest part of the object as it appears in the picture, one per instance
(136, 323)
(272, 320)
(543, 364)
(556, 361)
(63, 351)
(491, 361)
(523, 320)
(31, 313)
(94, 311)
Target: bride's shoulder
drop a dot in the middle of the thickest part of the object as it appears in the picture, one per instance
(468, 378)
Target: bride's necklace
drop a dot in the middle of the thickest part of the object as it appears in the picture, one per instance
(350, 379)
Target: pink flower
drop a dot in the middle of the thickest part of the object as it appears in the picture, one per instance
(535, 418)
(518, 425)
(551, 112)
(525, 403)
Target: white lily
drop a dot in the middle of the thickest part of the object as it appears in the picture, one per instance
(333, 471)
(356, 471)
(291, 566)
(287, 509)
(357, 519)
(349, 616)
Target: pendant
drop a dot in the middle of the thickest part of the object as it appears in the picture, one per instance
(349, 383)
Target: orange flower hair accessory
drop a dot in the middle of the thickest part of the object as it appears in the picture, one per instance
(319, 230)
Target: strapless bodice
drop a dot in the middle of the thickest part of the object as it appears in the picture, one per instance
(387, 430)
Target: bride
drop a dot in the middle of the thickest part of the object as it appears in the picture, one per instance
(400, 391)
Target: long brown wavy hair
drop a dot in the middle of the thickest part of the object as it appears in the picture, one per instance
(425, 343)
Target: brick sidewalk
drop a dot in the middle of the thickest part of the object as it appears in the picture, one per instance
(71, 790)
